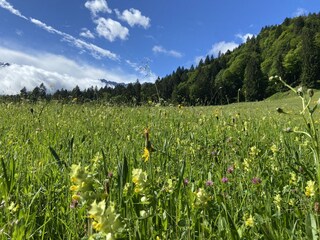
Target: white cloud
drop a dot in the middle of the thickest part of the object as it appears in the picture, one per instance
(96, 6)
(222, 47)
(4, 4)
(244, 37)
(31, 69)
(172, 53)
(133, 17)
(300, 12)
(86, 33)
(111, 29)
(94, 50)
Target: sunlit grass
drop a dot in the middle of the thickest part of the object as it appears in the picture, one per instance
(230, 172)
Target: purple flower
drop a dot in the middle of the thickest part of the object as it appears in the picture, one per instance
(230, 169)
(256, 180)
(185, 181)
(110, 175)
(209, 183)
(224, 180)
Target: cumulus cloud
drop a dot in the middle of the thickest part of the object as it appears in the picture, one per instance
(172, 53)
(96, 6)
(86, 33)
(222, 47)
(133, 17)
(244, 37)
(111, 29)
(300, 12)
(4, 4)
(54, 71)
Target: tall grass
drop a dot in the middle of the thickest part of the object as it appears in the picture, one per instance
(233, 172)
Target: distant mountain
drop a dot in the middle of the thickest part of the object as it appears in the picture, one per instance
(111, 84)
(2, 64)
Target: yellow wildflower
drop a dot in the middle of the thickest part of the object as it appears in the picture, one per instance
(249, 221)
(274, 149)
(106, 220)
(74, 188)
(254, 151)
(293, 179)
(277, 201)
(139, 178)
(76, 197)
(310, 189)
(202, 198)
(146, 154)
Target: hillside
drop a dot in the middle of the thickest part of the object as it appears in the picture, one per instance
(290, 50)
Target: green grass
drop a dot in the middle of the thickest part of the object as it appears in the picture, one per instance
(181, 194)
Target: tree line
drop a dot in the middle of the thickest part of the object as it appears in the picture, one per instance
(290, 50)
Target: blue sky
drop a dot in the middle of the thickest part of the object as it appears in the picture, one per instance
(76, 42)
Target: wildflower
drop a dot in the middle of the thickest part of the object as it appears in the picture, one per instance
(13, 207)
(143, 214)
(146, 154)
(139, 178)
(74, 188)
(224, 180)
(75, 201)
(209, 183)
(256, 180)
(254, 151)
(148, 146)
(144, 200)
(246, 164)
(277, 201)
(310, 189)
(169, 186)
(230, 169)
(293, 178)
(202, 197)
(185, 181)
(106, 220)
(274, 149)
(291, 202)
(77, 174)
(249, 222)
(126, 188)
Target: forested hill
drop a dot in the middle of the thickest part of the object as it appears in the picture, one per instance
(290, 50)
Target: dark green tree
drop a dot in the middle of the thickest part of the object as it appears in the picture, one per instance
(254, 83)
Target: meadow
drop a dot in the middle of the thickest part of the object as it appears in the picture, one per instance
(91, 171)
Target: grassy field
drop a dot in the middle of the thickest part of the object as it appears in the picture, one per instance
(242, 171)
